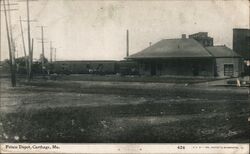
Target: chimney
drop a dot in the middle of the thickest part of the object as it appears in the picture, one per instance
(183, 36)
(150, 43)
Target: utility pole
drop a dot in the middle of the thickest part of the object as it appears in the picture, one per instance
(29, 45)
(127, 43)
(32, 47)
(0, 34)
(24, 48)
(30, 50)
(51, 50)
(11, 34)
(42, 42)
(16, 50)
(42, 49)
(248, 61)
(12, 69)
(13, 45)
(55, 55)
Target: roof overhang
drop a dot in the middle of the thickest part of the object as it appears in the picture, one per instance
(153, 58)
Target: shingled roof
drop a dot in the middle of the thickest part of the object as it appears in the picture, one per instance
(222, 51)
(173, 48)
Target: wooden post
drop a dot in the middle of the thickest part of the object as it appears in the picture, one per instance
(11, 38)
(24, 49)
(127, 43)
(29, 43)
(55, 55)
(32, 48)
(51, 48)
(42, 50)
(0, 34)
(12, 70)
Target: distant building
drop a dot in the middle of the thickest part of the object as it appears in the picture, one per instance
(188, 57)
(241, 42)
(1, 67)
(203, 38)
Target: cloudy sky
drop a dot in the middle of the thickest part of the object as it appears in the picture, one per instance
(91, 30)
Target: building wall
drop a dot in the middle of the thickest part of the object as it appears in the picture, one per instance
(241, 42)
(127, 67)
(178, 67)
(237, 63)
(84, 67)
(144, 68)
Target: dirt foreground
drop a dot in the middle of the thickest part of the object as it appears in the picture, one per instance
(68, 111)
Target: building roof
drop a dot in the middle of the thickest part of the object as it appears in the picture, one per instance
(245, 29)
(173, 48)
(222, 51)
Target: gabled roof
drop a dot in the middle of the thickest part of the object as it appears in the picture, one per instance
(222, 51)
(173, 48)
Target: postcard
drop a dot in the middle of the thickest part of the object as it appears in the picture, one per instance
(125, 76)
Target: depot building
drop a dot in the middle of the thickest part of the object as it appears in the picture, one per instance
(188, 57)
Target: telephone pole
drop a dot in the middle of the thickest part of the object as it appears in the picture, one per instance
(21, 26)
(51, 50)
(0, 34)
(248, 62)
(16, 50)
(127, 54)
(13, 45)
(12, 67)
(30, 50)
(42, 48)
(29, 44)
(11, 34)
(42, 58)
(55, 55)
(42, 42)
(32, 46)
(24, 49)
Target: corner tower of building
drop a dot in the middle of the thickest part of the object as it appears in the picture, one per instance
(203, 38)
(241, 42)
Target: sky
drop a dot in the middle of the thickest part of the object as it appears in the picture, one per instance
(96, 29)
